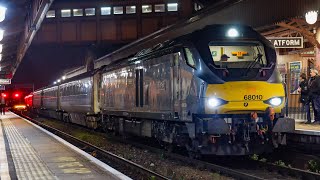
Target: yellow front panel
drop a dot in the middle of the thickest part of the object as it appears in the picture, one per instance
(244, 96)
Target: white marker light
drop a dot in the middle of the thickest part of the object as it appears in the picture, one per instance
(232, 33)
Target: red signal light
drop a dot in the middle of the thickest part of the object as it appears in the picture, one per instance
(4, 95)
(16, 95)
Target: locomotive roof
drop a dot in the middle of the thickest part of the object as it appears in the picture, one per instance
(181, 28)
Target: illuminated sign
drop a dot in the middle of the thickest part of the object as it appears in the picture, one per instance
(286, 42)
(239, 54)
(5, 81)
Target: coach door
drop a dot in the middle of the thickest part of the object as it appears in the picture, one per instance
(177, 86)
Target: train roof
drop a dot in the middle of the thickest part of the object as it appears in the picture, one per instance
(181, 28)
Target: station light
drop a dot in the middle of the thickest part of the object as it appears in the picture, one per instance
(63, 77)
(0, 56)
(1, 47)
(311, 17)
(59, 80)
(2, 13)
(55, 82)
(1, 34)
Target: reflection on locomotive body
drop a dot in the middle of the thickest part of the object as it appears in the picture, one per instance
(178, 92)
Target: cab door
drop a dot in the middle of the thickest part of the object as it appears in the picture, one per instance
(177, 85)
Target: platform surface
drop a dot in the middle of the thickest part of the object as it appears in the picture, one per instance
(27, 152)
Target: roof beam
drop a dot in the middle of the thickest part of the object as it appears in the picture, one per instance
(31, 31)
(305, 32)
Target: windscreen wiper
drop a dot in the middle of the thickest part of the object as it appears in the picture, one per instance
(253, 63)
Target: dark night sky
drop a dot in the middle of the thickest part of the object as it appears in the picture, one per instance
(43, 65)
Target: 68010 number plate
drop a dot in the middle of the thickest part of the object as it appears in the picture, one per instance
(252, 97)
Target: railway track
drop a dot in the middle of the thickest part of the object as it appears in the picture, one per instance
(133, 170)
(248, 170)
(241, 167)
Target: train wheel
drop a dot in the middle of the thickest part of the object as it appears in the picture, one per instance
(192, 149)
(104, 124)
(169, 147)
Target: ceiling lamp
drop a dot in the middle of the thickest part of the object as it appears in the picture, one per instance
(311, 17)
(2, 13)
(1, 34)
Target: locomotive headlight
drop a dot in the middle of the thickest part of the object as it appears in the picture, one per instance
(215, 102)
(276, 101)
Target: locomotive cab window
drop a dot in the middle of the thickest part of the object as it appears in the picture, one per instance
(238, 54)
(189, 57)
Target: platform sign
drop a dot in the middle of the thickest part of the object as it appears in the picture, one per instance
(286, 42)
(5, 81)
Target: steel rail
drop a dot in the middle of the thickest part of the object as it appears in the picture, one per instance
(102, 154)
(238, 174)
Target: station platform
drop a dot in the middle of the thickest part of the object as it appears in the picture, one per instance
(308, 129)
(29, 152)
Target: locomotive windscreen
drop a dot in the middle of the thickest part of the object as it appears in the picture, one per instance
(238, 55)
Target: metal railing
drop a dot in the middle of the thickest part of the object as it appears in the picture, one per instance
(295, 108)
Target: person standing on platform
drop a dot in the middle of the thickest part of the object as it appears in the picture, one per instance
(3, 105)
(304, 96)
(314, 94)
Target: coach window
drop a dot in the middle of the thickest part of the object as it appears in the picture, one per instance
(118, 10)
(189, 57)
(172, 6)
(130, 9)
(51, 14)
(77, 12)
(65, 13)
(146, 8)
(90, 11)
(159, 8)
(105, 11)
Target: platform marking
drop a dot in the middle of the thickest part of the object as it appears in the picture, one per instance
(92, 159)
(4, 168)
(28, 164)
